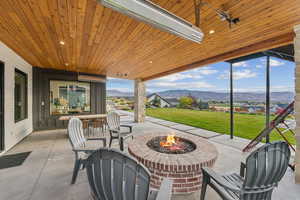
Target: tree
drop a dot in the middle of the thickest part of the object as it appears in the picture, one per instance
(203, 105)
(185, 102)
(156, 102)
(194, 103)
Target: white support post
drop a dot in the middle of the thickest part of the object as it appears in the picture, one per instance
(139, 102)
(297, 100)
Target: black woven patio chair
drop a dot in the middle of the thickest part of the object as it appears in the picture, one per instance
(113, 174)
(264, 168)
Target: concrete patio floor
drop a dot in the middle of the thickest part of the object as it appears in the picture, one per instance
(46, 173)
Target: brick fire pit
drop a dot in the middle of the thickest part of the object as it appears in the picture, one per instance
(184, 169)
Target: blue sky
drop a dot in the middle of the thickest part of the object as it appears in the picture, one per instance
(249, 76)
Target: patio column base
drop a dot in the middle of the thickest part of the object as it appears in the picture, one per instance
(297, 101)
(139, 101)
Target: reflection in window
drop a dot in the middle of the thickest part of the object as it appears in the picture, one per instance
(20, 95)
(68, 97)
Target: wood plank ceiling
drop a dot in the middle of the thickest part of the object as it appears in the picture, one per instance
(99, 40)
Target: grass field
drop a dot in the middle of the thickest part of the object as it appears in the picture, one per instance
(245, 125)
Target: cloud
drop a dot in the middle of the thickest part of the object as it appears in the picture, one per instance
(121, 89)
(205, 71)
(259, 66)
(240, 64)
(262, 89)
(244, 74)
(282, 88)
(237, 75)
(180, 76)
(275, 63)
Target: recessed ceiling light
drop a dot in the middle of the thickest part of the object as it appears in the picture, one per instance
(67, 64)
(211, 31)
(61, 42)
(150, 61)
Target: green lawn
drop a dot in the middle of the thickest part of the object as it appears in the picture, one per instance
(246, 125)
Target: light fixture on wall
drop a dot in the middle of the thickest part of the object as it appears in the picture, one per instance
(156, 16)
(91, 78)
(61, 42)
(122, 75)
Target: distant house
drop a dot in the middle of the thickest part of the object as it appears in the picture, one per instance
(219, 108)
(278, 108)
(251, 109)
(157, 101)
(173, 102)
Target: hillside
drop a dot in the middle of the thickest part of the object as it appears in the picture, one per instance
(284, 97)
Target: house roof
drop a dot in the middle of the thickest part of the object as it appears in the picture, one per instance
(172, 100)
(101, 41)
(155, 94)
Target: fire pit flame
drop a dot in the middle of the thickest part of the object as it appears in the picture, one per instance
(169, 142)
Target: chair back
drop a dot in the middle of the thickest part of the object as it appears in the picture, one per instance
(265, 168)
(115, 175)
(113, 121)
(75, 132)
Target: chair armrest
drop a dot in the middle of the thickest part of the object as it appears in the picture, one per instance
(242, 169)
(114, 130)
(101, 139)
(125, 137)
(219, 179)
(165, 191)
(122, 139)
(88, 151)
(127, 126)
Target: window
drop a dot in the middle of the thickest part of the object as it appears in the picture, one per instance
(69, 97)
(20, 95)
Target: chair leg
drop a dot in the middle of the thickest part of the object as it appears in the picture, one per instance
(121, 144)
(204, 187)
(75, 171)
(110, 142)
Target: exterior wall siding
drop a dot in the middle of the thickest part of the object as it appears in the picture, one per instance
(14, 132)
(42, 120)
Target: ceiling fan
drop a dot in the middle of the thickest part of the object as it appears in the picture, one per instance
(224, 16)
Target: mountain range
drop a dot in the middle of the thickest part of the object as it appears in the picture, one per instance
(284, 97)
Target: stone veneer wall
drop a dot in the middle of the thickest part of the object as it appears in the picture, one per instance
(297, 99)
(139, 101)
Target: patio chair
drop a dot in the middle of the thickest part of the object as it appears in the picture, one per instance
(263, 169)
(114, 128)
(113, 174)
(79, 145)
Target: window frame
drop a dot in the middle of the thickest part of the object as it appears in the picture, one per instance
(74, 81)
(26, 95)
